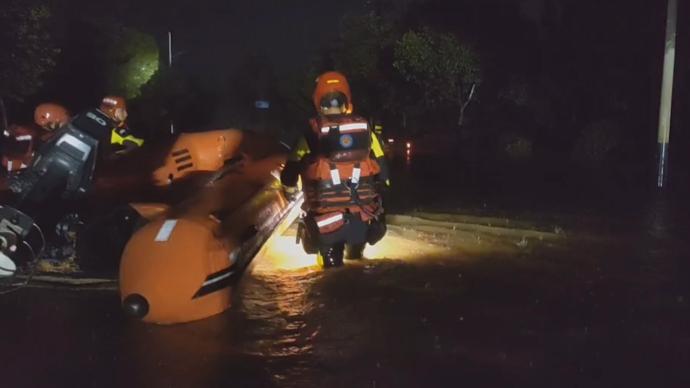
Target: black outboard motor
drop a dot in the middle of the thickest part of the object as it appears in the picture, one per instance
(15, 227)
(63, 168)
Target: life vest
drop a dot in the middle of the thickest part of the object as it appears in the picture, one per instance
(18, 147)
(339, 176)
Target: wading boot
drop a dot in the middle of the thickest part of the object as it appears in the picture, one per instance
(354, 251)
(331, 257)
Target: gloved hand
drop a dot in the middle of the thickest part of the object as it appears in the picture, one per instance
(290, 192)
(383, 186)
(123, 149)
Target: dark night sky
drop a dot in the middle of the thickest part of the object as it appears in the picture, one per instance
(215, 36)
(573, 53)
(288, 32)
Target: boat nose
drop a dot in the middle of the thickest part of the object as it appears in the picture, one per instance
(135, 306)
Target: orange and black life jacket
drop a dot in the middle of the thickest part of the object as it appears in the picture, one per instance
(339, 174)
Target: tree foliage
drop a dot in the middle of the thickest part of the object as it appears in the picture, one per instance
(364, 40)
(439, 65)
(172, 95)
(400, 73)
(364, 52)
(29, 50)
(132, 60)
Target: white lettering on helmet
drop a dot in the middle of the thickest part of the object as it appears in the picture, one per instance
(96, 119)
(109, 101)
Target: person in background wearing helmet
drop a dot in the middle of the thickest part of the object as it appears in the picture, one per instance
(19, 142)
(115, 108)
(63, 169)
(50, 117)
(342, 166)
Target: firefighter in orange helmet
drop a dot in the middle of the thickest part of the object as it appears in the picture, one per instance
(20, 142)
(115, 107)
(51, 116)
(342, 167)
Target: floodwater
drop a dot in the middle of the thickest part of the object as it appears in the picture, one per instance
(507, 291)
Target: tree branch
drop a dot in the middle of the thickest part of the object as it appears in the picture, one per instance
(461, 119)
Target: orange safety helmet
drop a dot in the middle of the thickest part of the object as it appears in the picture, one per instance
(115, 107)
(51, 116)
(332, 85)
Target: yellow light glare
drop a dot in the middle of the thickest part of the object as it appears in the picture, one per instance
(400, 248)
(332, 81)
(283, 252)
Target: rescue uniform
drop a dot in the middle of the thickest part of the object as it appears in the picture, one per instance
(104, 129)
(341, 164)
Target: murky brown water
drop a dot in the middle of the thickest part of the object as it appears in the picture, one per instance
(600, 300)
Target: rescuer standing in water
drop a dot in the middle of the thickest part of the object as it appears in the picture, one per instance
(342, 166)
(115, 108)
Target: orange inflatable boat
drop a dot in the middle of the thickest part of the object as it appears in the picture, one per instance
(181, 265)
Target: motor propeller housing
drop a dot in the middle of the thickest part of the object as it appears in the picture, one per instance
(15, 228)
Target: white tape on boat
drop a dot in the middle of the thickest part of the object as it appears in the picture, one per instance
(218, 278)
(166, 230)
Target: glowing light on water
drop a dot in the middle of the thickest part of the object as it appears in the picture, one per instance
(283, 253)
